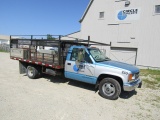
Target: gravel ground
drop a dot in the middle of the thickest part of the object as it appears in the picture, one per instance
(53, 98)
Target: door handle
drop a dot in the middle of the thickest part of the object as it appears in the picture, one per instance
(68, 63)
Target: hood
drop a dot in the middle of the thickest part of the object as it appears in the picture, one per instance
(125, 66)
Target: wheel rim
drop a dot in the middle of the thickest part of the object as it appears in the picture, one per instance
(108, 89)
(30, 71)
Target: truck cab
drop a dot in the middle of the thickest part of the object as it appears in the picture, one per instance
(90, 65)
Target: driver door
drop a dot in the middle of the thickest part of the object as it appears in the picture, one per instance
(72, 70)
(82, 70)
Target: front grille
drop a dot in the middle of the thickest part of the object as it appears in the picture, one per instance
(137, 75)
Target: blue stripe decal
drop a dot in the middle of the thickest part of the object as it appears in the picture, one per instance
(109, 66)
(81, 77)
(119, 65)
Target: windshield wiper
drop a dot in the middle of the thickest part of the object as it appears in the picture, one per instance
(102, 60)
(107, 59)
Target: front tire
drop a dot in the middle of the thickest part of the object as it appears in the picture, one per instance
(109, 88)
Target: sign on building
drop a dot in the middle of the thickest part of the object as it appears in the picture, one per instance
(128, 14)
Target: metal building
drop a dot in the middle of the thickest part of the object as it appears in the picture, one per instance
(131, 26)
(4, 39)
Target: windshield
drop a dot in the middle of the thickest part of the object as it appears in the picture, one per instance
(98, 55)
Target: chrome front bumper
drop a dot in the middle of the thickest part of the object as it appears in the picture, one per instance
(131, 86)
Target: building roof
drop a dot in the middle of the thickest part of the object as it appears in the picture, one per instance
(86, 11)
(4, 37)
(71, 36)
(72, 33)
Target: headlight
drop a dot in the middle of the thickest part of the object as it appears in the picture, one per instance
(131, 77)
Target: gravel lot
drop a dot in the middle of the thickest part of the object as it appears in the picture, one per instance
(53, 98)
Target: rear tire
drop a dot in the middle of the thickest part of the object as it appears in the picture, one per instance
(32, 72)
(109, 88)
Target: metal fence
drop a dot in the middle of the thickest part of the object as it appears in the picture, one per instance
(4, 47)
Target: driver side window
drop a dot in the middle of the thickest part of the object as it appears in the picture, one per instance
(74, 54)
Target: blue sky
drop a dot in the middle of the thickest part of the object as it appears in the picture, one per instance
(36, 17)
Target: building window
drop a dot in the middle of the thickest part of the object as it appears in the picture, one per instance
(101, 15)
(157, 9)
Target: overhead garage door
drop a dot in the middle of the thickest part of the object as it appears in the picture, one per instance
(127, 55)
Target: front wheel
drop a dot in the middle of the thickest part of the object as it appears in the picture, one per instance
(109, 88)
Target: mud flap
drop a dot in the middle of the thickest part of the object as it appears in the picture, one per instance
(22, 67)
(140, 85)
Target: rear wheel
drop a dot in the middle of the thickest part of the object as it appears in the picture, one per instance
(32, 72)
(109, 88)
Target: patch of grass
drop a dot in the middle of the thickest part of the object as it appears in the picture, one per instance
(153, 74)
(2, 51)
(158, 79)
(151, 82)
(145, 72)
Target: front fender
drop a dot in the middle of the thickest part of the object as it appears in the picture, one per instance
(109, 75)
(112, 74)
